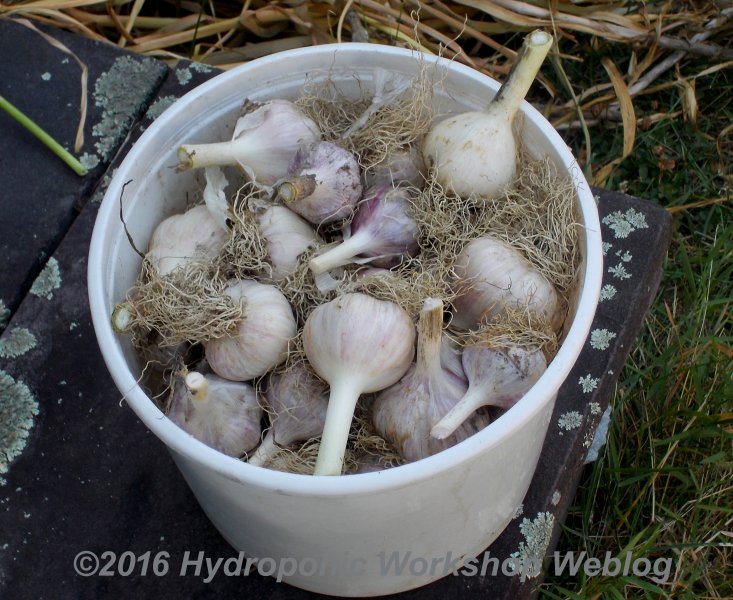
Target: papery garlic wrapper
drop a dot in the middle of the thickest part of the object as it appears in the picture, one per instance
(358, 344)
(266, 138)
(323, 183)
(193, 235)
(222, 414)
(492, 277)
(497, 377)
(404, 413)
(297, 402)
(260, 340)
(287, 237)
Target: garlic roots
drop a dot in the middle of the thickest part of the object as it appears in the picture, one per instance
(265, 140)
(224, 415)
(358, 345)
(492, 277)
(474, 153)
(404, 413)
(497, 377)
(260, 340)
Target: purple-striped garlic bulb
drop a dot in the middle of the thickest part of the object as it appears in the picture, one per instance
(404, 413)
(298, 401)
(382, 232)
(222, 414)
(323, 183)
(496, 377)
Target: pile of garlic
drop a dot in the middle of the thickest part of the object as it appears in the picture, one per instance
(272, 373)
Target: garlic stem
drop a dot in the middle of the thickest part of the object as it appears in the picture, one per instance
(475, 397)
(341, 406)
(265, 451)
(195, 156)
(122, 317)
(429, 336)
(342, 253)
(197, 384)
(528, 62)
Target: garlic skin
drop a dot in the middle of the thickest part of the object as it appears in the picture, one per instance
(491, 276)
(474, 153)
(266, 138)
(497, 377)
(287, 236)
(179, 239)
(404, 413)
(323, 183)
(406, 167)
(298, 401)
(222, 414)
(260, 341)
(358, 344)
(382, 230)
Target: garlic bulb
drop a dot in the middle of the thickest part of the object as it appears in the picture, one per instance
(491, 276)
(358, 344)
(382, 229)
(474, 153)
(323, 183)
(224, 415)
(404, 167)
(496, 378)
(260, 341)
(298, 401)
(179, 239)
(286, 236)
(266, 137)
(404, 413)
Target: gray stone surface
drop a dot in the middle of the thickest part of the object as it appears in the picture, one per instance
(40, 195)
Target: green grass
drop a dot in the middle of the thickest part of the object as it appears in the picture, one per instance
(663, 487)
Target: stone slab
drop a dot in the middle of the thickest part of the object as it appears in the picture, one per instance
(40, 195)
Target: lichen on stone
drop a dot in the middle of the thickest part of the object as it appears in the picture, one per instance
(570, 420)
(183, 75)
(159, 106)
(18, 407)
(89, 161)
(46, 76)
(4, 315)
(48, 280)
(122, 93)
(537, 534)
(16, 342)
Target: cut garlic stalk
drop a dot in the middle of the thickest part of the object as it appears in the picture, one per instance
(266, 137)
(474, 153)
(495, 378)
(358, 345)
(404, 413)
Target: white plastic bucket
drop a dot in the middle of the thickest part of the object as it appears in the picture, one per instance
(338, 531)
